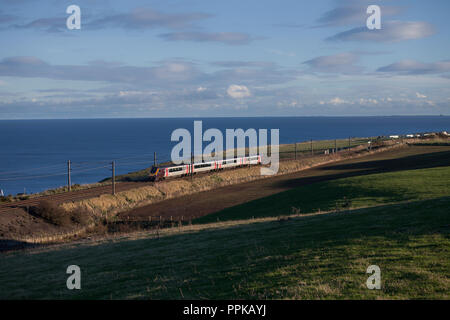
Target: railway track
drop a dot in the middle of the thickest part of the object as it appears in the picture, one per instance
(72, 196)
(78, 195)
(91, 192)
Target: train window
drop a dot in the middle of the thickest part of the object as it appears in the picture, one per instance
(175, 169)
(203, 165)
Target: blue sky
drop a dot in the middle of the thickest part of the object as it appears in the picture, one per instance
(223, 58)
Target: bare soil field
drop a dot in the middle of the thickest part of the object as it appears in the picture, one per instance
(16, 222)
(200, 204)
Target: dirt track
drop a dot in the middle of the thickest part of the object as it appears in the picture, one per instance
(200, 204)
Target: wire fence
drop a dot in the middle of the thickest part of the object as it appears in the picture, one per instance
(72, 169)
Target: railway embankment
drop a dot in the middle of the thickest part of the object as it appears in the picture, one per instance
(106, 207)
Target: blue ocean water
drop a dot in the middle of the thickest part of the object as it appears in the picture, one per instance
(34, 153)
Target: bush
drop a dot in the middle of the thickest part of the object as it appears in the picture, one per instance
(101, 227)
(52, 213)
(6, 199)
(79, 216)
(58, 216)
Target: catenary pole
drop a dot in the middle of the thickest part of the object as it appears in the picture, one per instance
(69, 183)
(113, 177)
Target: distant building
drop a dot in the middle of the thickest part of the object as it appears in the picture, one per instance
(394, 137)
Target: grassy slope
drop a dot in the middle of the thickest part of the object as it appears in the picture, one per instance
(321, 256)
(362, 191)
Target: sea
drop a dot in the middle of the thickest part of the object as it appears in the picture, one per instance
(34, 153)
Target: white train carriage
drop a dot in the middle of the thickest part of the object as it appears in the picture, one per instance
(160, 173)
(205, 166)
(177, 171)
(229, 163)
(253, 159)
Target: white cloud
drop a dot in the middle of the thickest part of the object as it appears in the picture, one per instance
(420, 96)
(337, 101)
(392, 31)
(363, 101)
(236, 91)
(232, 38)
(417, 67)
(337, 63)
(353, 13)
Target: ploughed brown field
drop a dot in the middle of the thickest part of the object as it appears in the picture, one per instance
(14, 218)
(200, 204)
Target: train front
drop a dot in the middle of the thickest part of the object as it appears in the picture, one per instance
(153, 176)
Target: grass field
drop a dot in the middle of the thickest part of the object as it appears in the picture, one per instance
(354, 192)
(322, 256)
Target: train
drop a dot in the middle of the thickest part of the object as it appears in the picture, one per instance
(160, 173)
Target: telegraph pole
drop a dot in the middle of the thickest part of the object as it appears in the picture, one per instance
(335, 146)
(312, 150)
(113, 177)
(69, 184)
(154, 159)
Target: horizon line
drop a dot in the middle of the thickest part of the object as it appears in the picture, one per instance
(236, 117)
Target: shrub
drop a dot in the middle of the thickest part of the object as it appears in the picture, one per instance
(80, 216)
(52, 213)
(6, 199)
(101, 227)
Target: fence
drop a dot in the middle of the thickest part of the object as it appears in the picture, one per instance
(298, 150)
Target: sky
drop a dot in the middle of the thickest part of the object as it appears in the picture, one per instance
(210, 58)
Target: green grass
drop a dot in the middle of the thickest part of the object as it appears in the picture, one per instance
(314, 257)
(361, 191)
